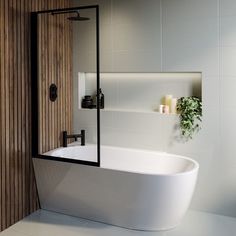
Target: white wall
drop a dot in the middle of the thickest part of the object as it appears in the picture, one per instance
(181, 35)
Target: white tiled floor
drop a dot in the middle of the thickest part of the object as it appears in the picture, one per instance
(45, 223)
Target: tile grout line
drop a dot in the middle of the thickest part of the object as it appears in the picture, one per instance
(161, 37)
(219, 64)
(111, 35)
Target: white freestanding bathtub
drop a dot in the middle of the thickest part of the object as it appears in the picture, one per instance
(135, 189)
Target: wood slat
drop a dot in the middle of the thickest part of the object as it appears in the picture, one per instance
(1, 73)
(6, 113)
(18, 195)
(3, 129)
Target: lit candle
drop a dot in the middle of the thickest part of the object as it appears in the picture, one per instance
(166, 109)
(161, 109)
(173, 105)
(168, 99)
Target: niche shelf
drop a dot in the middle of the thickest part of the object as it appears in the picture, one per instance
(128, 111)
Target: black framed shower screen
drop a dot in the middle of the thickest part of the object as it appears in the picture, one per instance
(34, 85)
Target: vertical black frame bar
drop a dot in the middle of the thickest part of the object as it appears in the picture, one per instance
(34, 85)
(98, 86)
(34, 82)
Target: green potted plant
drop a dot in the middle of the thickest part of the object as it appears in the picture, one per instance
(190, 113)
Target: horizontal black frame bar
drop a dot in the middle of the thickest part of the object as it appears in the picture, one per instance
(68, 160)
(66, 9)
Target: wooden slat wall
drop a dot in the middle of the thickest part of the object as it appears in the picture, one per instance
(54, 68)
(18, 196)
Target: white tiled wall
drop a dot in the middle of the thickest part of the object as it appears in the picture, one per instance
(181, 35)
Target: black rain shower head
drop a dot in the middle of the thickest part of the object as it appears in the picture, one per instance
(73, 18)
(78, 17)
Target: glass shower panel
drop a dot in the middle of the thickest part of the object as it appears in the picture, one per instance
(67, 50)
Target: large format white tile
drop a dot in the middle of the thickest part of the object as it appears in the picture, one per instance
(136, 36)
(191, 33)
(221, 198)
(226, 197)
(190, 9)
(131, 139)
(227, 7)
(228, 31)
(205, 60)
(106, 64)
(190, 36)
(107, 119)
(135, 11)
(133, 36)
(227, 125)
(227, 93)
(136, 25)
(87, 117)
(86, 63)
(227, 163)
(106, 38)
(141, 122)
(137, 61)
(228, 59)
(210, 93)
(210, 125)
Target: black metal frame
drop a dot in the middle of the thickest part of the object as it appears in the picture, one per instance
(34, 85)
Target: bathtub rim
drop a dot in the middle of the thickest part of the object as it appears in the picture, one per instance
(193, 169)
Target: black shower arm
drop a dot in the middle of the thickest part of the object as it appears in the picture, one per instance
(64, 12)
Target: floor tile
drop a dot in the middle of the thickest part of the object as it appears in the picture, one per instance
(45, 223)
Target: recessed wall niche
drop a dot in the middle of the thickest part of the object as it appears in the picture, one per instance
(138, 92)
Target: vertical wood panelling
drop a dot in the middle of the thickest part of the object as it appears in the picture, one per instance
(54, 68)
(18, 195)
